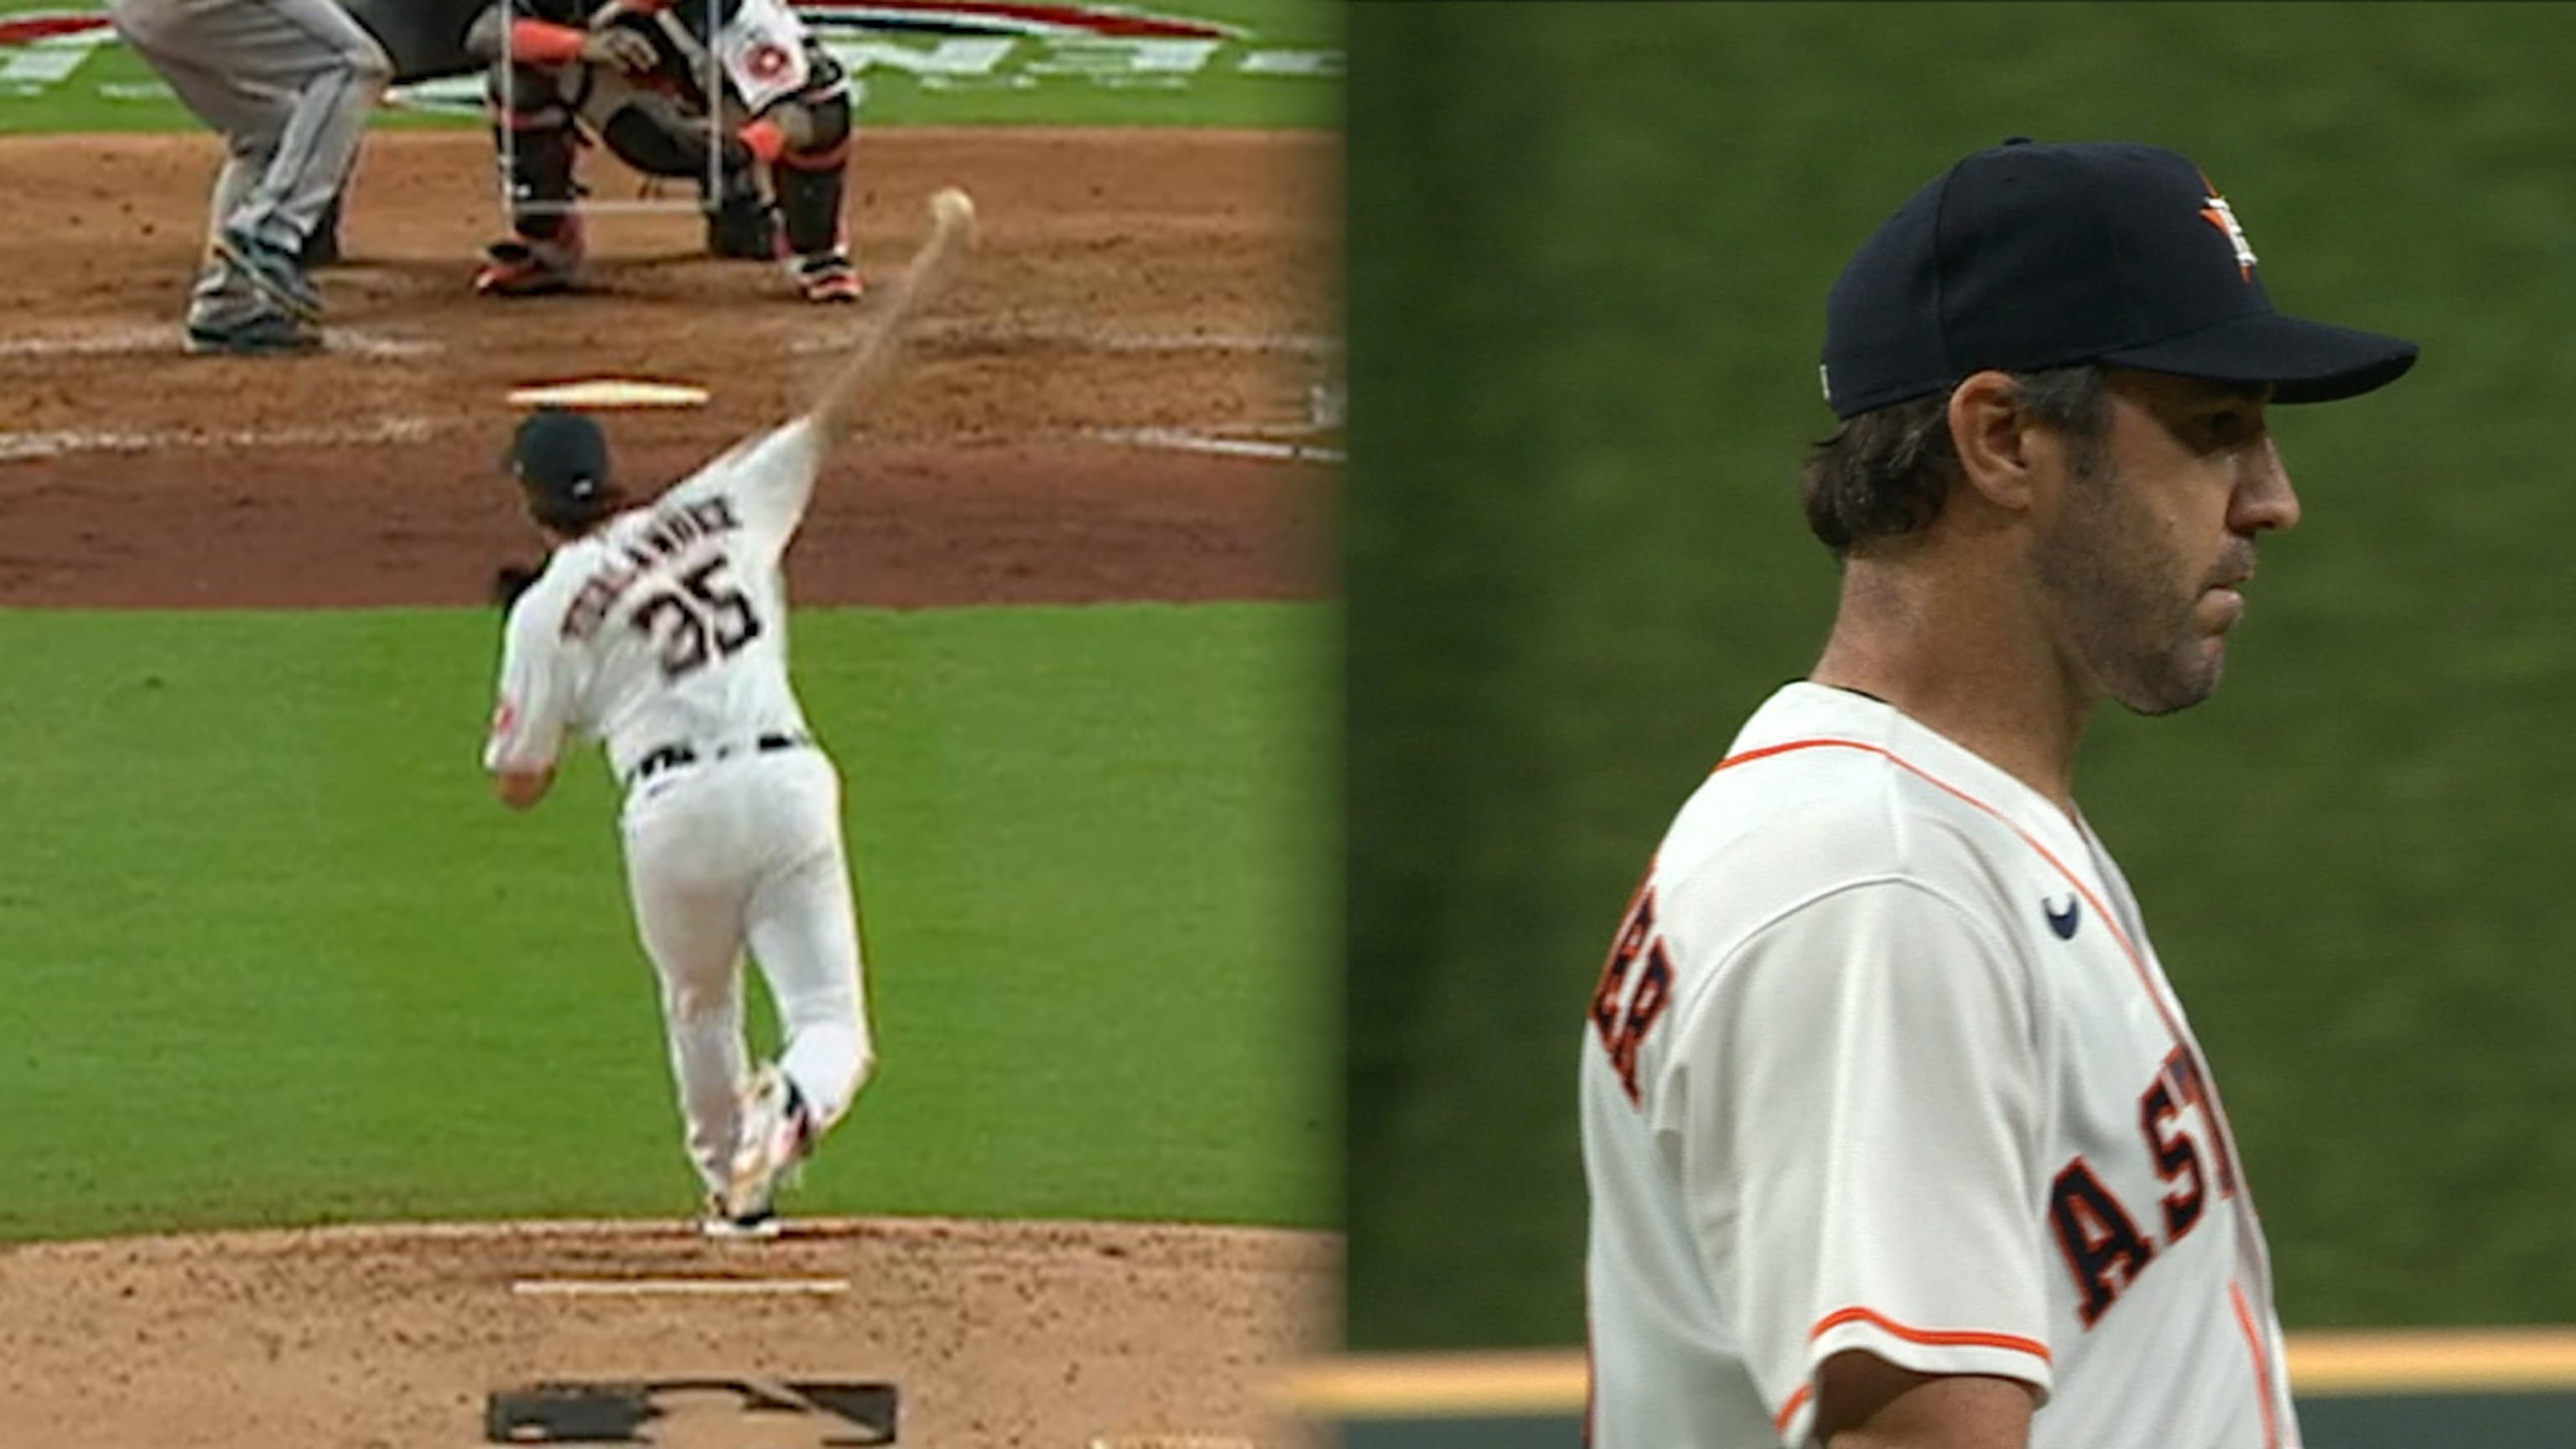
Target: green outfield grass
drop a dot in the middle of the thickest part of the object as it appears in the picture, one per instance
(1584, 371)
(273, 955)
(1279, 68)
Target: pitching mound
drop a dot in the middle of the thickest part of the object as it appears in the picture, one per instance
(998, 1334)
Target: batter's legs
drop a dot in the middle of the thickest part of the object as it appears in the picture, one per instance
(289, 84)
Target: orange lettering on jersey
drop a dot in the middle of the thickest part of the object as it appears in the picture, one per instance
(504, 715)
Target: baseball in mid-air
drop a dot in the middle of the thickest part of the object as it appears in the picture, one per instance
(953, 207)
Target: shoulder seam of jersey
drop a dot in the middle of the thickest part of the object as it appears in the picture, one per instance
(1686, 1009)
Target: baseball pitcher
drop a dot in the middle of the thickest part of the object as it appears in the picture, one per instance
(661, 83)
(1895, 1130)
(660, 629)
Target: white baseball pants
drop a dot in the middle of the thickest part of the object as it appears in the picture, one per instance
(744, 852)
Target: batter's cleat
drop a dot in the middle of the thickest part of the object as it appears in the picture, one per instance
(777, 1132)
(760, 1225)
(272, 271)
(526, 266)
(267, 334)
(828, 277)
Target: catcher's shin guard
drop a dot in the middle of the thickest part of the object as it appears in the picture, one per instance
(532, 130)
(809, 155)
(810, 187)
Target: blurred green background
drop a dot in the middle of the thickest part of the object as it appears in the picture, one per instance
(1590, 246)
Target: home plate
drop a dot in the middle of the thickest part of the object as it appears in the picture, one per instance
(676, 1287)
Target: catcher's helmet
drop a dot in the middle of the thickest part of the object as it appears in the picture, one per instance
(561, 460)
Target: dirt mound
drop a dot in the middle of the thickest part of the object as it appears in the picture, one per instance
(998, 1334)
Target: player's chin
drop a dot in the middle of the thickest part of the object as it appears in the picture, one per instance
(2179, 680)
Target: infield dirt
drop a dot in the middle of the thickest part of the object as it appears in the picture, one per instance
(1152, 280)
(1125, 281)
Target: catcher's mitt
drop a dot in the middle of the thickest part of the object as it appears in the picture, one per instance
(511, 580)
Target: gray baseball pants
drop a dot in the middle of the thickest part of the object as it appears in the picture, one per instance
(288, 84)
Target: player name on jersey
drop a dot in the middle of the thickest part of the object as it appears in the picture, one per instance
(677, 526)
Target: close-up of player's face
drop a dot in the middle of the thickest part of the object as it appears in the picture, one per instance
(2146, 560)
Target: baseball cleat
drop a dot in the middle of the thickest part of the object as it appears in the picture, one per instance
(526, 266)
(269, 334)
(760, 1225)
(828, 277)
(777, 1132)
(274, 273)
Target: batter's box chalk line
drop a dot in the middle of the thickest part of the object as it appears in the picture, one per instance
(23, 447)
(119, 341)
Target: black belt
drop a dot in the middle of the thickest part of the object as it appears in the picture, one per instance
(672, 757)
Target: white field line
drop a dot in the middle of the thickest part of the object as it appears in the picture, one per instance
(1299, 344)
(653, 1287)
(113, 341)
(21, 447)
(1189, 442)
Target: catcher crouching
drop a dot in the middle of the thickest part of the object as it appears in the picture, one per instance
(634, 75)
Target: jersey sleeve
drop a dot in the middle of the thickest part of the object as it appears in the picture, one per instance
(772, 479)
(532, 713)
(1857, 1132)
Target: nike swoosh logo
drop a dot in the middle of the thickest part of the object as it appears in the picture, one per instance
(2063, 922)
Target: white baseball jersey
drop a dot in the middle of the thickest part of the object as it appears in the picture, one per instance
(663, 632)
(667, 625)
(1882, 1060)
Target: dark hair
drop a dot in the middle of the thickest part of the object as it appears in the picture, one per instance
(561, 461)
(1888, 471)
(574, 517)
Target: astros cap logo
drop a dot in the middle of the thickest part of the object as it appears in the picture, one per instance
(2222, 216)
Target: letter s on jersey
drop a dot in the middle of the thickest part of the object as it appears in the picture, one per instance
(1623, 1032)
(2101, 1242)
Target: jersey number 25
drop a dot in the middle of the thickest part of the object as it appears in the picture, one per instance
(705, 618)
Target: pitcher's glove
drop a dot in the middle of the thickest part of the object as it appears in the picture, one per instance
(511, 580)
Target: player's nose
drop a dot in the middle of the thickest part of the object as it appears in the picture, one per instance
(2264, 499)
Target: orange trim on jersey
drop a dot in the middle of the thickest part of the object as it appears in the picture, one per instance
(2111, 923)
(1789, 1410)
(2262, 1362)
(1930, 1337)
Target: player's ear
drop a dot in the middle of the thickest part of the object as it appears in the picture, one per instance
(1992, 433)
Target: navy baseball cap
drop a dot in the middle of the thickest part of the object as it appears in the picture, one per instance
(2030, 256)
(561, 456)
